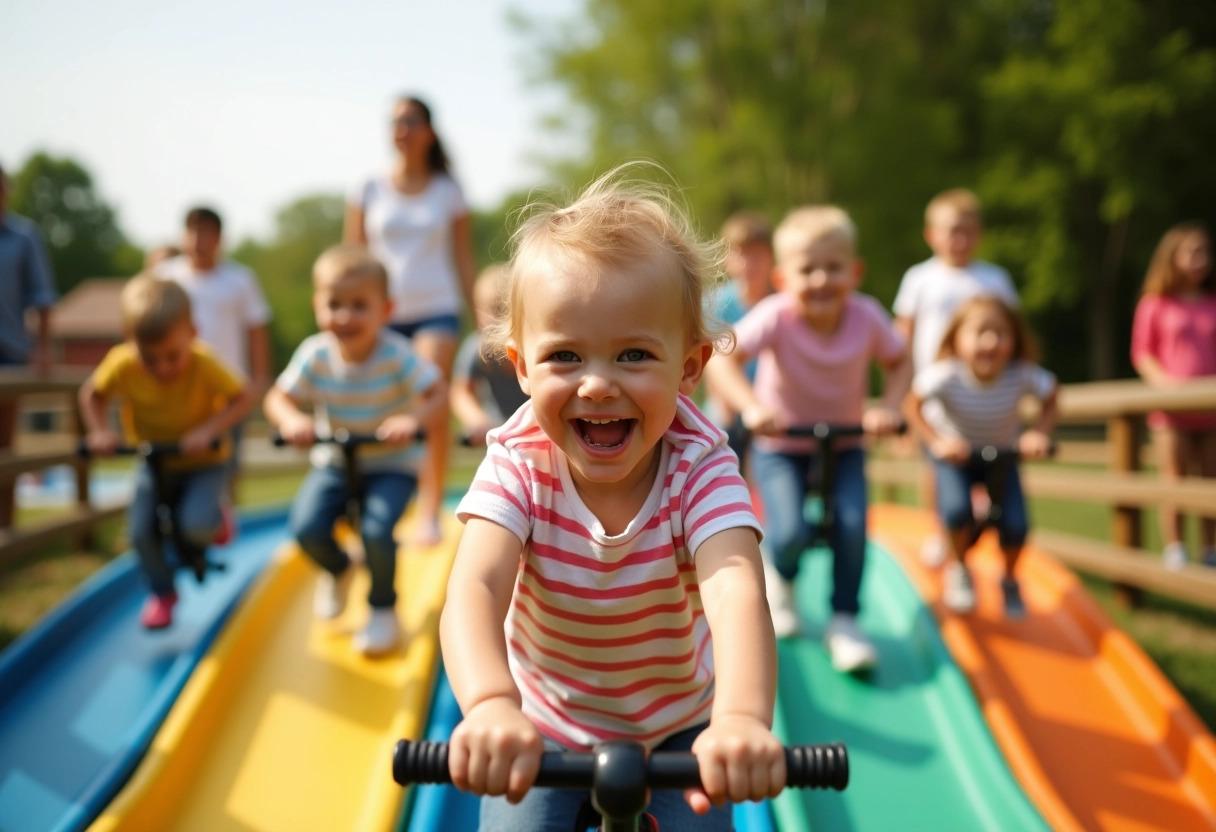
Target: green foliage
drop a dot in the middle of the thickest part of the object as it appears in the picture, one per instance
(1084, 126)
(283, 265)
(81, 230)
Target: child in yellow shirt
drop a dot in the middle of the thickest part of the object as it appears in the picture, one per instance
(172, 390)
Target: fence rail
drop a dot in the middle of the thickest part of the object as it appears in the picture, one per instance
(1118, 407)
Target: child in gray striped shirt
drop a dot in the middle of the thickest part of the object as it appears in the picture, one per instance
(984, 367)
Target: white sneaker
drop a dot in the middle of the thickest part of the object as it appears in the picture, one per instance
(958, 593)
(1174, 557)
(781, 605)
(933, 551)
(382, 633)
(330, 598)
(848, 646)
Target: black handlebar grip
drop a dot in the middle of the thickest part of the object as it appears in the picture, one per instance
(420, 761)
(817, 766)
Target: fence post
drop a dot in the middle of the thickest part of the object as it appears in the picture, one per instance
(1124, 434)
(82, 467)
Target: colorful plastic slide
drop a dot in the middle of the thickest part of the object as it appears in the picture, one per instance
(1096, 735)
(283, 726)
(82, 693)
(920, 754)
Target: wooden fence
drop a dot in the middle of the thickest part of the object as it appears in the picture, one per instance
(56, 395)
(1115, 409)
(1118, 409)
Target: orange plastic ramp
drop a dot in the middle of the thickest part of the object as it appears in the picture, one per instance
(1092, 729)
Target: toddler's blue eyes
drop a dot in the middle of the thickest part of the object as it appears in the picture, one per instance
(634, 355)
(564, 356)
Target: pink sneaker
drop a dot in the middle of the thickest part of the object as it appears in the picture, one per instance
(158, 611)
(227, 531)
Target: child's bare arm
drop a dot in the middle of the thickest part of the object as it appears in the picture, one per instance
(725, 375)
(899, 376)
(427, 407)
(885, 418)
(738, 755)
(1035, 443)
(942, 447)
(474, 420)
(496, 749)
(259, 359)
(293, 424)
(462, 256)
(1150, 369)
(93, 409)
(199, 438)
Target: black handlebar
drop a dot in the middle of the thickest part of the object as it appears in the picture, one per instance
(1000, 453)
(343, 438)
(824, 430)
(824, 766)
(144, 449)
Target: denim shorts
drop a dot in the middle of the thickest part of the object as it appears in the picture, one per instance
(434, 325)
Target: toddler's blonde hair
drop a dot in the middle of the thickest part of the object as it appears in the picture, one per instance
(151, 308)
(344, 260)
(615, 222)
(811, 223)
(961, 200)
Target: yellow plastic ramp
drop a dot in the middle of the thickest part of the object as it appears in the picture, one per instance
(283, 727)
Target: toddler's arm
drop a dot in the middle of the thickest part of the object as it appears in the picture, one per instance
(1035, 443)
(474, 420)
(401, 428)
(737, 754)
(885, 418)
(199, 438)
(949, 448)
(496, 749)
(726, 378)
(93, 406)
(294, 425)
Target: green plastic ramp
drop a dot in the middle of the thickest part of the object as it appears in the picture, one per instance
(920, 753)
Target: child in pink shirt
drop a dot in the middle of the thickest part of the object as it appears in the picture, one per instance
(1173, 340)
(814, 340)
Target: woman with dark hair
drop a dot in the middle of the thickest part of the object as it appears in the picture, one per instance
(415, 221)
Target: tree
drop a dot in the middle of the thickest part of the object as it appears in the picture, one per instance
(303, 229)
(1100, 138)
(81, 230)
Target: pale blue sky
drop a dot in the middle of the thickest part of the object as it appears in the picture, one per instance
(246, 105)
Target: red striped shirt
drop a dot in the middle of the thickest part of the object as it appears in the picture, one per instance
(606, 637)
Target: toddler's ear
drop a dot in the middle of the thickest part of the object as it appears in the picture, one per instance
(521, 368)
(694, 365)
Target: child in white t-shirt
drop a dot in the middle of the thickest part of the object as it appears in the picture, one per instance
(931, 291)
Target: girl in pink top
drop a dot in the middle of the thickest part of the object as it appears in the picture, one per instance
(1174, 339)
(609, 530)
(815, 340)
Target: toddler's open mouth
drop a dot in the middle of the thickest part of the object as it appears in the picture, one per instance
(604, 433)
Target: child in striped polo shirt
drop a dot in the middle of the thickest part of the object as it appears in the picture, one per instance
(609, 528)
(984, 367)
(358, 375)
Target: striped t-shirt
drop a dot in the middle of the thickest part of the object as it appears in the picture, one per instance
(606, 637)
(983, 413)
(358, 397)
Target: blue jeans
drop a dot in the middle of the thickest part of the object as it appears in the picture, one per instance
(436, 324)
(782, 480)
(954, 484)
(555, 810)
(194, 497)
(322, 499)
